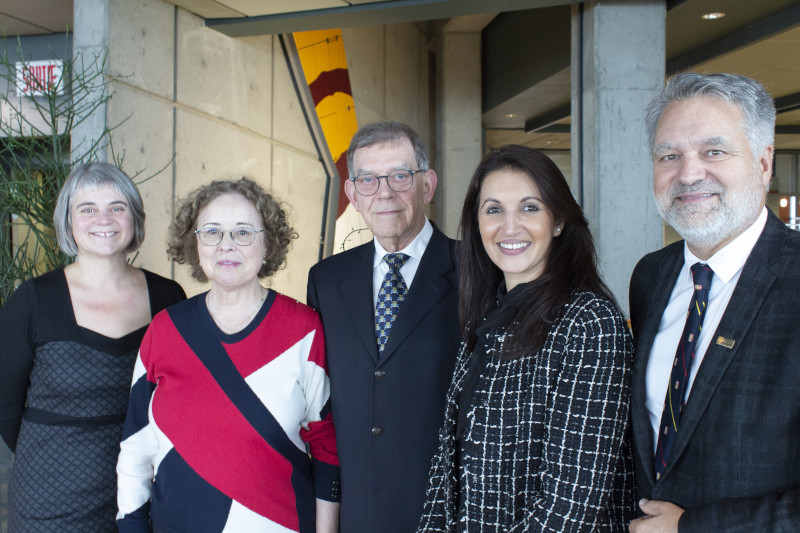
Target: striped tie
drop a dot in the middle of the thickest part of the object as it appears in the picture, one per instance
(682, 366)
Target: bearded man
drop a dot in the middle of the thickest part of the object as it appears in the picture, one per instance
(716, 401)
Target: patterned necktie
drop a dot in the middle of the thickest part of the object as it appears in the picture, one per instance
(392, 292)
(682, 365)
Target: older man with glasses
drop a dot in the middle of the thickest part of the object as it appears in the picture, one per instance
(389, 311)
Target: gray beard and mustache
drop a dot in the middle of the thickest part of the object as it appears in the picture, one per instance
(704, 226)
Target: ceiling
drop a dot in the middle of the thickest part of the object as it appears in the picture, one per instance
(34, 17)
(759, 39)
(756, 38)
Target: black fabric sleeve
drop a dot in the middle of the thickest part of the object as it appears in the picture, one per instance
(163, 292)
(17, 321)
(311, 292)
(778, 511)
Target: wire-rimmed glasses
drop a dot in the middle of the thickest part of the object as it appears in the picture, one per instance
(241, 236)
(398, 181)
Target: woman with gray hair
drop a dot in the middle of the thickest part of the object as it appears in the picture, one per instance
(70, 342)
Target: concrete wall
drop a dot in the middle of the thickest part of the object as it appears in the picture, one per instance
(192, 105)
(389, 73)
(458, 119)
(617, 68)
(202, 106)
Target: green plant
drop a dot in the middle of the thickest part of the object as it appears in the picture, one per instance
(36, 155)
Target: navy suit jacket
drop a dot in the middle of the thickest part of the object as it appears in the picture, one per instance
(387, 412)
(735, 463)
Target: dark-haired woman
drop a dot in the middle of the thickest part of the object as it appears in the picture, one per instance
(534, 437)
(229, 425)
(70, 339)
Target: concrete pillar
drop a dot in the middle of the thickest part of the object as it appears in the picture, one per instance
(89, 49)
(458, 122)
(617, 67)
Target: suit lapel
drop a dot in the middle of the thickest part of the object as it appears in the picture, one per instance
(662, 281)
(433, 279)
(356, 292)
(745, 303)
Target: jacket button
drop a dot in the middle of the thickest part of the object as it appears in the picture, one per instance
(377, 431)
(380, 373)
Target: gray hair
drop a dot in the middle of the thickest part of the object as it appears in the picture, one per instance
(92, 176)
(748, 95)
(386, 132)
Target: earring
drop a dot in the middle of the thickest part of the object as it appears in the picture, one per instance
(556, 232)
(264, 261)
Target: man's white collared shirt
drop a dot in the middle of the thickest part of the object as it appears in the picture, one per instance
(727, 265)
(414, 251)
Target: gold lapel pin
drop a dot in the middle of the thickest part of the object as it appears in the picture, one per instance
(725, 343)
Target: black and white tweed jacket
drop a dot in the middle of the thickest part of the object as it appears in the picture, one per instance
(546, 445)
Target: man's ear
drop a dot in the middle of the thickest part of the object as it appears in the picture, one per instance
(350, 192)
(429, 185)
(765, 165)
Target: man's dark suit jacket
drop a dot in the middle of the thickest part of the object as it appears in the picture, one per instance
(388, 411)
(735, 463)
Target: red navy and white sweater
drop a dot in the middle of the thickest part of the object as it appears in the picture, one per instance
(191, 462)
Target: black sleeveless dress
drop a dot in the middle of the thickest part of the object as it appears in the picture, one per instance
(66, 429)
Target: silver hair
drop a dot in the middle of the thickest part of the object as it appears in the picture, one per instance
(748, 95)
(91, 176)
(383, 132)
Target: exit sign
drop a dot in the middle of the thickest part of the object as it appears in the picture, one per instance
(35, 78)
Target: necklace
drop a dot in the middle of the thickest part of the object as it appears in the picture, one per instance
(238, 327)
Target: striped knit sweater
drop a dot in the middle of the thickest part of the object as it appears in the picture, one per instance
(191, 462)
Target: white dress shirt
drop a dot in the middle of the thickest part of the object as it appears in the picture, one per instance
(727, 265)
(414, 252)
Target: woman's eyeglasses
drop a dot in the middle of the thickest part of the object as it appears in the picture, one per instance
(242, 236)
